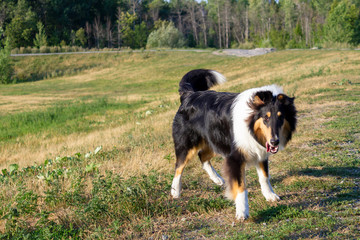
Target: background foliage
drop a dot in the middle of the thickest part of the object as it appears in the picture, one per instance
(212, 23)
(6, 69)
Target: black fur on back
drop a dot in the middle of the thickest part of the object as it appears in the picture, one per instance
(201, 111)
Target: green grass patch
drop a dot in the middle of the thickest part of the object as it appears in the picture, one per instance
(65, 118)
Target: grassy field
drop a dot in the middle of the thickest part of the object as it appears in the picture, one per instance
(58, 183)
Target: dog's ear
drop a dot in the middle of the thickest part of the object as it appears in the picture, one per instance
(285, 100)
(262, 98)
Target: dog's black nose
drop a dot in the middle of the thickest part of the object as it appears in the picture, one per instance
(274, 142)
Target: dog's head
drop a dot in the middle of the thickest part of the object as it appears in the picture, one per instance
(273, 119)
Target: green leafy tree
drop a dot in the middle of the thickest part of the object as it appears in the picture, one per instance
(126, 22)
(6, 10)
(40, 38)
(289, 9)
(21, 29)
(80, 37)
(155, 7)
(6, 67)
(341, 22)
(166, 36)
(140, 35)
(72, 37)
(278, 39)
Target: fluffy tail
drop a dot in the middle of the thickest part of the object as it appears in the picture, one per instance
(199, 80)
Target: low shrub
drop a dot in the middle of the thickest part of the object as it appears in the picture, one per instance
(15, 51)
(6, 66)
(44, 49)
(244, 45)
(166, 36)
(337, 45)
(35, 50)
(28, 50)
(54, 49)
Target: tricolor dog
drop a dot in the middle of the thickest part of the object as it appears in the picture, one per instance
(245, 128)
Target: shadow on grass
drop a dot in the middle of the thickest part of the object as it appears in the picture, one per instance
(299, 209)
(344, 172)
(42, 75)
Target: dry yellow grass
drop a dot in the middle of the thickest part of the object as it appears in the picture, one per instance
(256, 71)
(10, 104)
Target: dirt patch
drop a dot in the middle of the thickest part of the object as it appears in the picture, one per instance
(244, 52)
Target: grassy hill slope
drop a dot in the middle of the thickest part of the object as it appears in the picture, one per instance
(55, 185)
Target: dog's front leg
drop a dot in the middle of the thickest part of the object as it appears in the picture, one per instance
(264, 179)
(235, 166)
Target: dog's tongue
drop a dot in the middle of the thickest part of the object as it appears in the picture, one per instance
(271, 149)
(267, 147)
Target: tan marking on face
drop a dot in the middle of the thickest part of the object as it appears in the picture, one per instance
(268, 114)
(262, 167)
(262, 132)
(278, 114)
(280, 96)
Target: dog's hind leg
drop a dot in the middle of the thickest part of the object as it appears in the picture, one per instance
(264, 179)
(182, 158)
(205, 155)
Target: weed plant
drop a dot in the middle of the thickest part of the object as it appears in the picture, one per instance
(77, 196)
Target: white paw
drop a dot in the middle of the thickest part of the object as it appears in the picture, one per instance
(271, 197)
(214, 176)
(176, 187)
(218, 180)
(242, 206)
(242, 216)
(175, 193)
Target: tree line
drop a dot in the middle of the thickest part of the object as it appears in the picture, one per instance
(211, 23)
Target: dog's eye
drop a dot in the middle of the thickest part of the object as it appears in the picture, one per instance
(266, 118)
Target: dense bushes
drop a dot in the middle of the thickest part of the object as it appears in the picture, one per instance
(342, 23)
(6, 68)
(167, 35)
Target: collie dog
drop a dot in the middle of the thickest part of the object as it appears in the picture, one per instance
(245, 128)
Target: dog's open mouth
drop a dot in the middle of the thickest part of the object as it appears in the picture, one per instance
(271, 149)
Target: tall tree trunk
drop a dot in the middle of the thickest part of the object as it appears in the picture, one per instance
(307, 31)
(88, 33)
(192, 12)
(204, 25)
(133, 4)
(97, 31)
(219, 24)
(247, 24)
(180, 22)
(108, 32)
(118, 16)
(227, 24)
